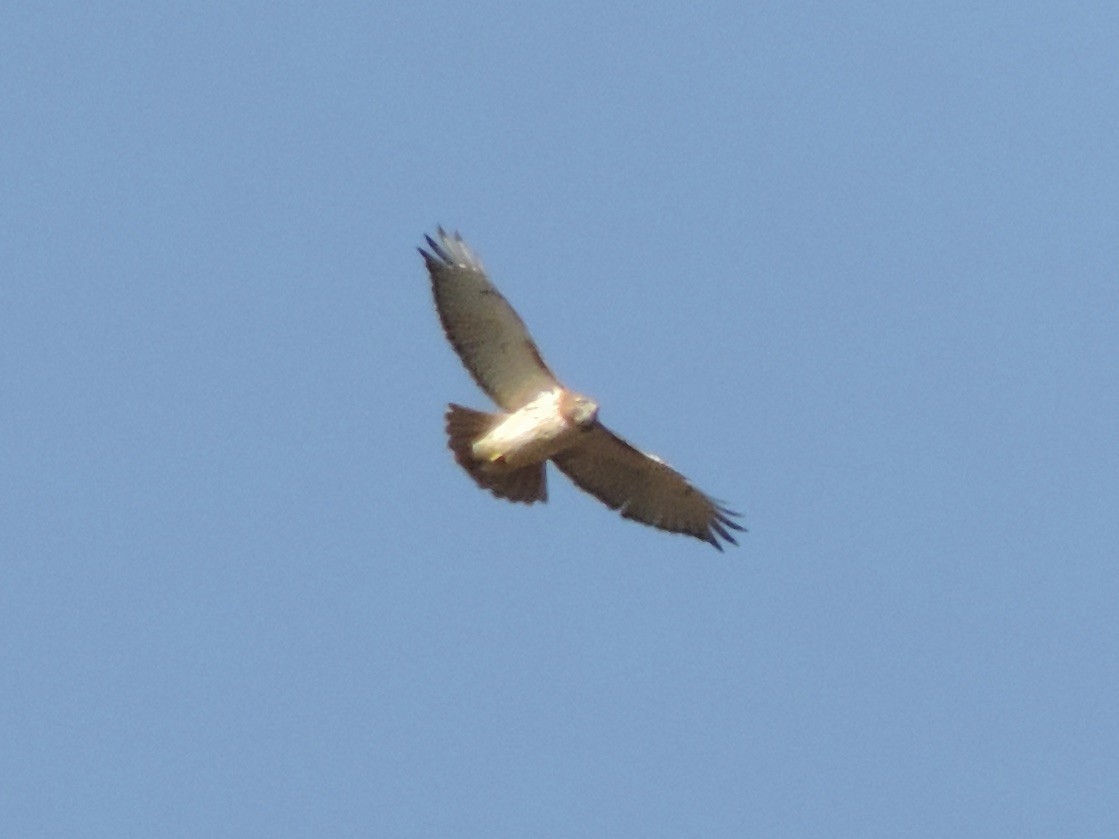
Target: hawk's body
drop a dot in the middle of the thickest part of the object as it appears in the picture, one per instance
(542, 428)
(542, 420)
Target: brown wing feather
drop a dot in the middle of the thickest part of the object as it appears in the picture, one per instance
(644, 488)
(486, 332)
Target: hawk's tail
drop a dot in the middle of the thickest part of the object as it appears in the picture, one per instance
(464, 426)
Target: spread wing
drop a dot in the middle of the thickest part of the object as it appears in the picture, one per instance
(643, 487)
(486, 332)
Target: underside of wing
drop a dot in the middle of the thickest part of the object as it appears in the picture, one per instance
(644, 488)
(486, 332)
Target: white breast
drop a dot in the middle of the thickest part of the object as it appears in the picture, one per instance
(534, 433)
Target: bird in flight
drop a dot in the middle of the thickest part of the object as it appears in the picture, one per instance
(541, 420)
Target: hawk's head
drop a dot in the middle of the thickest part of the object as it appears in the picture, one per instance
(580, 410)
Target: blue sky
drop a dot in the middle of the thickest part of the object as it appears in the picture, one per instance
(853, 268)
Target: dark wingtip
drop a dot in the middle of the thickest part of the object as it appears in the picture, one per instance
(718, 528)
(718, 532)
(438, 254)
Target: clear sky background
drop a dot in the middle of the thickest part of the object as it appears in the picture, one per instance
(851, 267)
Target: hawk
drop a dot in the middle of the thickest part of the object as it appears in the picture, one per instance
(541, 420)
